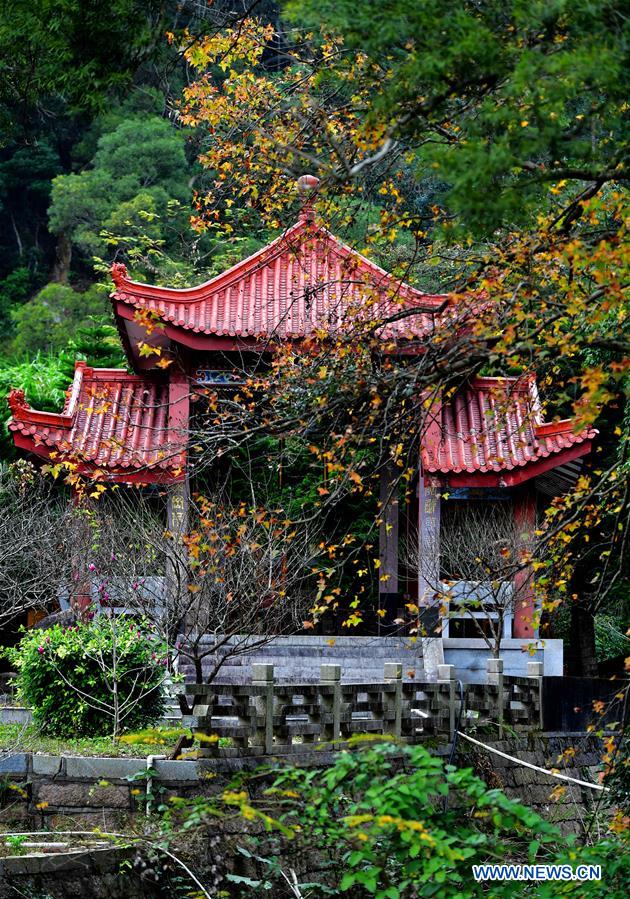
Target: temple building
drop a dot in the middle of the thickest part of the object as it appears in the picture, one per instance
(488, 442)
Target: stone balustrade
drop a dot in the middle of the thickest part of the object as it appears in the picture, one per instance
(268, 718)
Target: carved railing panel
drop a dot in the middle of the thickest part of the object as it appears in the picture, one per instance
(265, 718)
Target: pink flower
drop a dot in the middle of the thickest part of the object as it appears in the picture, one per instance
(40, 649)
(91, 567)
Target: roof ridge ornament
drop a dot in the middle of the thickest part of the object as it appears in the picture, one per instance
(308, 186)
(17, 401)
(119, 273)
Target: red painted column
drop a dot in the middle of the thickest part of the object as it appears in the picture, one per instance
(525, 517)
(178, 496)
(178, 425)
(178, 408)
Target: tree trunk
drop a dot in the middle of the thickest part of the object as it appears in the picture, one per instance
(198, 669)
(582, 661)
(18, 239)
(63, 258)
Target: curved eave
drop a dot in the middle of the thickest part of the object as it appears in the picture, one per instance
(88, 436)
(513, 476)
(85, 468)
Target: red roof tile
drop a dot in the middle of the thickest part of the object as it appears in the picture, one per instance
(113, 423)
(116, 426)
(305, 280)
(494, 425)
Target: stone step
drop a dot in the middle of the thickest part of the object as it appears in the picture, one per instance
(307, 674)
(382, 647)
(297, 659)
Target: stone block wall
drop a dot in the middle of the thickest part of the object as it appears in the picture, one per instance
(568, 805)
(45, 792)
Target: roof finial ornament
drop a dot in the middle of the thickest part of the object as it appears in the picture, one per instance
(307, 185)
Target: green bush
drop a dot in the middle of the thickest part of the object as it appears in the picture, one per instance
(95, 678)
(391, 821)
(46, 321)
(611, 641)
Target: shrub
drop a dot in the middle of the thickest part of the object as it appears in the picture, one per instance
(94, 678)
(391, 821)
(46, 321)
(611, 641)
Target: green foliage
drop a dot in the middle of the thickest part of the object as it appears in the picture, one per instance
(500, 98)
(26, 172)
(29, 738)
(138, 169)
(53, 315)
(73, 54)
(611, 641)
(394, 821)
(15, 841)
(14, 289)
(99, 344)
(69, 676)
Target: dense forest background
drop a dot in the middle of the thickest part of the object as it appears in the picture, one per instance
(94, 167)
(97, 166)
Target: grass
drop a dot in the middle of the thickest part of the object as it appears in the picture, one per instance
(27, 738)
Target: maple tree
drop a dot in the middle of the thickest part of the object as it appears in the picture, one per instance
(223, 579)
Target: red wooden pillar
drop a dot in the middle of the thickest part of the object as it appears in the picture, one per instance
(178, 430)
(178, 408)
(524, 610)
(429, 516)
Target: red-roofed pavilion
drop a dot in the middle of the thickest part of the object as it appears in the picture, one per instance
(126, 427)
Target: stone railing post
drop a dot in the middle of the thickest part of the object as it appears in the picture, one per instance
(393, 675)
(495, 677)
(535, 672)
(262, 676)
(446, 675)
(330, 676)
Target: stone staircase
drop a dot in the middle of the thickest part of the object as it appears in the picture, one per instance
(297, 659)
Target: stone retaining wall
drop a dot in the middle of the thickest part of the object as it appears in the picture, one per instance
(571, 805)
(89, 874)
(45, 791)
